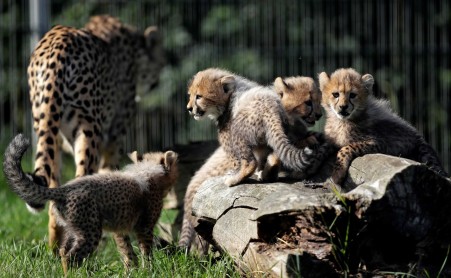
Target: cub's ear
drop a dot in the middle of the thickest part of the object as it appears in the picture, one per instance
(170, 158)
(368, 82)
(323, 79)
(280, 86)
(135, 157)
(228, 84)
(152, 36)
(280, 83)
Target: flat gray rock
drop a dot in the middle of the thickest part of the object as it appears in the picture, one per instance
(388, 212)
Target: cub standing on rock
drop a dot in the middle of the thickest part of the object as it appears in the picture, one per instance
(248, 116)
(124, 201)
(301, 100)
(359, 124)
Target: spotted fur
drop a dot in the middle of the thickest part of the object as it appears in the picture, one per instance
(218, 164)
(247, 116)
(301, 99)
(124, 201)
(358, 123)
(83, 84)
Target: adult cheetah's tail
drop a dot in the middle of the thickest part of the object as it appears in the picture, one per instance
(31, 188)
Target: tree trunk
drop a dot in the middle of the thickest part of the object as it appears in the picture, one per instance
(392, 215)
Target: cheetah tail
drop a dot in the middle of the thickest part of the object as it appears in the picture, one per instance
(187, 232)
(186, 235)
(28, 187)
(293, 158)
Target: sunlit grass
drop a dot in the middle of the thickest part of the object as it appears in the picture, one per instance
(23, 258)
(24, 251)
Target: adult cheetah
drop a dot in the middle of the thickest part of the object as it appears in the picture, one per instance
(83, 84)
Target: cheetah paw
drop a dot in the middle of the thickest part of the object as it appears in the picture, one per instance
(231, 181)
(259, 175)
(308, 151)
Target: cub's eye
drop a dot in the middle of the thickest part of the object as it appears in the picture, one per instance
(198, 97)
(336, 95)
(352, 95)
(308, 103)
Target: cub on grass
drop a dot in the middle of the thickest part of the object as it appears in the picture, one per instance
(124, 201)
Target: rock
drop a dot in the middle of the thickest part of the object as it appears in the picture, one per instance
(390, 213)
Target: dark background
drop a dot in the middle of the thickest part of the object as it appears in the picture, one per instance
(405, 45)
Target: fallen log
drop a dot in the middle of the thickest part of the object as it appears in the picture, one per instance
(391, 215)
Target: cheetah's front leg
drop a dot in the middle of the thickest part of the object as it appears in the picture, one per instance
(47, 164)
(347, 154)
(111, 155)
(114, 147)
(125, 248)
(86, 149)
(145, 239)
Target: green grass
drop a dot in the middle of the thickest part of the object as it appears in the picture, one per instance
(31, 258)
(24, 252)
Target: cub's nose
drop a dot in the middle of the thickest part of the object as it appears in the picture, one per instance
(190, 109)
(344, 107)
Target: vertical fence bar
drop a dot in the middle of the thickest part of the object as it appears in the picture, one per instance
(39, 20)
(39, 24)
(13, 69)
(445, 89)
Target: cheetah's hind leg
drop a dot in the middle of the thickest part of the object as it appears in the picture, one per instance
(247, 168)
(66, 245)
(272, 168)
(79, 243)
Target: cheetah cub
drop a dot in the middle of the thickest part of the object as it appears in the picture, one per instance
(119, 201)
(301, 100)
(248, 117)
(358, 123)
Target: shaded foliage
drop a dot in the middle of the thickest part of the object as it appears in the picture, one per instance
(404, 44)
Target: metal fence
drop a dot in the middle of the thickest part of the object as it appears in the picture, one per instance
(404, 44)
